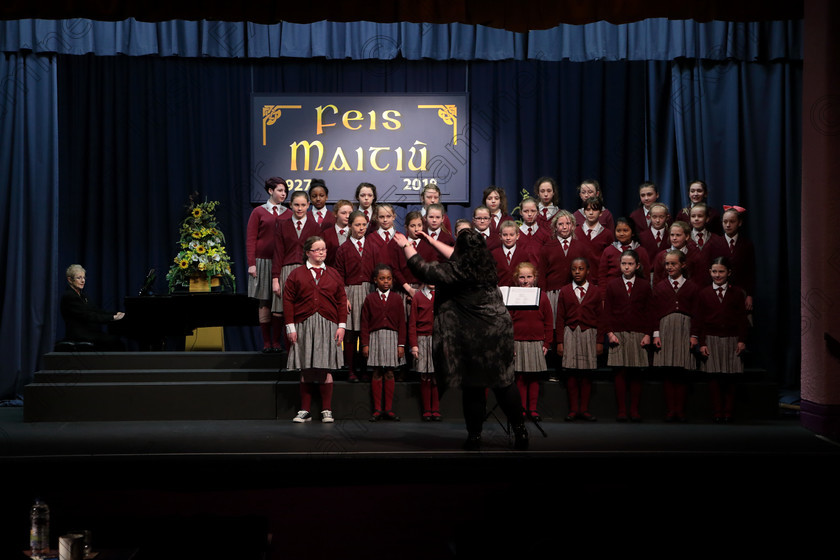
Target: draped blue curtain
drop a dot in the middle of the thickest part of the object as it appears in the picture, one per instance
(652, 39)
(130, 137)
(29, 215)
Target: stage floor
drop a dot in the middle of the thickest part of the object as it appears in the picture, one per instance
(407, 490)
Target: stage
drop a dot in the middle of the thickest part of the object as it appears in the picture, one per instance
(221, 475)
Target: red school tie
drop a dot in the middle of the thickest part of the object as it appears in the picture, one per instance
(545, 213)
(384, 299)
(720, 294)
(387, 236)
(274, 209)
(625, 247)
(676, 285)
(298, 226)
(361, 249)
(589, 234)
(433, 235)
(508, 257)
(732, 246)
(565, 245)
(320, 217)
(341, 232)
(582, 292)
(367, 216)
(629, 287)
(530, 231)
(658, 237)
(432, 296)
(318, 272)
(414, 244)
(700, 239)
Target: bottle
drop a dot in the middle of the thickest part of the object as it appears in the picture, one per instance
(39, 532)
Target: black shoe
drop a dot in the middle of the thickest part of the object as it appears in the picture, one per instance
(571, 417)
(473, 443)
(377, 414)
(587, 416)
(520, 435)
(352, 378)
(389, 415)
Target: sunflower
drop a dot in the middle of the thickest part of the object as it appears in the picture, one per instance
(196, 212)
(184, 263)
(196, 234)
(200, 249)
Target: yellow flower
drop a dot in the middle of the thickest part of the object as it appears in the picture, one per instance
(200, 249)
(201, 266)
(196, 212)
(196, 234)
(184, 264)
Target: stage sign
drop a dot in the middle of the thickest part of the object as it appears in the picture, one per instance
(398, 142)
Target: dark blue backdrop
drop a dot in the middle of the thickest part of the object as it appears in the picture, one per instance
(101, 152)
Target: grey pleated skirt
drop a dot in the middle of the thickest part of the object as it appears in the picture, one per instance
(553, 296)
(356, 295)
(529, 357)
(260, 287)
(424, 363)
(722, 358)
(316, 347)
(675, 332)
(629, 352)
(382, 350)
(277, 305)
(579, 350)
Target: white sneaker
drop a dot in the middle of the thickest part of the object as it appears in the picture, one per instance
(302, 416)
(326, 416)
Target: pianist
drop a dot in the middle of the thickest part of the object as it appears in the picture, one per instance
(82, 318)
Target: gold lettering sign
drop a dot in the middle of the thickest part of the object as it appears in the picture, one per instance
(271, 113)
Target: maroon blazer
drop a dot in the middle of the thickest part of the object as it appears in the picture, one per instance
(555, 267)
(504, 271)
(377, 315)
(494, 229)
(649, 244)
(259, 236)
(610, 264)
(628, 313)
(713, 247)
(695, 266)
(352, 267)
(727, 318)
(331, 239)
(302, 298)
(493, 241)
(667, 301)
(572, 314)
(598, 243)
(329, 217)
(288, 246)
(742, 258)
(535, 241)
(421, 318)
(605, 219)
(534, 324)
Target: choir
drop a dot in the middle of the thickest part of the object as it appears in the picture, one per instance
(646, 292)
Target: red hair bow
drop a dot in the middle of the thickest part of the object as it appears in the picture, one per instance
(739, 209)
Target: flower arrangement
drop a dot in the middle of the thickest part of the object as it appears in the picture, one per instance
(202, 248)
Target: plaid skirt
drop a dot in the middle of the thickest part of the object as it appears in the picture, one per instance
(277, 304)
(722, 358)
(528, 357)
(675, 332)
(424, 363)
(356, 294)
(382, 351)
(579, 351)
(315, 347)
(629, 352)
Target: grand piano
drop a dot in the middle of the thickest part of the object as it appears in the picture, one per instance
(153, 319)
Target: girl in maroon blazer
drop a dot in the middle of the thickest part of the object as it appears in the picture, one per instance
(654, 239)
(648, 195)
(675, 310)
(625, 240)
(680, 237)
(557, 255)
(591, 231)
(383, 336)
(403, 275)
(316, 308)
(531, 234)
(318, 194)
(698, 192)
(586, 190)
(722, 337)
(533, 332)
(548, 196)
(579, 306)
(259, 252)
(420, 325)
(288, 244)
(481, 223)
(510, 254)
(495, 199)
(366, 198)
(431, 195)
(741, 252)
(627, 322)
(354, 263)
(336, 234)
(436, 224)
(709, 245)
(382, 237)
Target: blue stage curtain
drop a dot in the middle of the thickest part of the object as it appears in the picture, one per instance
(652, 39)
(28, 215)
(139, 134)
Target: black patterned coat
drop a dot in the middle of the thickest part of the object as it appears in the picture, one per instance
(472, 341)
